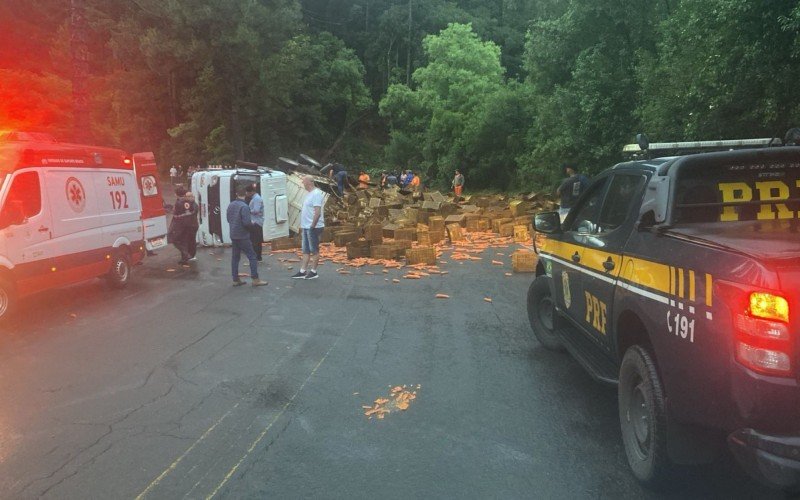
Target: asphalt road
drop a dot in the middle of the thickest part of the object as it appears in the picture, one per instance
(182, 386)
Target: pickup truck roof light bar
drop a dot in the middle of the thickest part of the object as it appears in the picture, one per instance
(703, 145)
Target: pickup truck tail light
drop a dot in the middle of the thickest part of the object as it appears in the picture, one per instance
(763, 339)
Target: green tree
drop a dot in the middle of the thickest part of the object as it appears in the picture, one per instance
(447, 121)
(723, 69)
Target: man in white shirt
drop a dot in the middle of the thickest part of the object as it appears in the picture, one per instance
(312, 221)
(173, 175)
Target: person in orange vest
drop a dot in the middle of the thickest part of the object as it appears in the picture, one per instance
(414, 181)
(363, 179)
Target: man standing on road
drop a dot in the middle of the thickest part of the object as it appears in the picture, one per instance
(458, 183)
(312, 222)
(240, 223)
(173, 175)
(257, 216)
(570, 189)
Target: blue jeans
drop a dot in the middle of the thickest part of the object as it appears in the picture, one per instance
(243, 245)
(340, 177)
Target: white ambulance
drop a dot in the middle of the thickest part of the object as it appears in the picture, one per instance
(68, 213)
(215, 189)
(154, 217)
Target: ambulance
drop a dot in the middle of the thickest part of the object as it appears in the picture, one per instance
(154, 216)
(215, 189)
(68, 213)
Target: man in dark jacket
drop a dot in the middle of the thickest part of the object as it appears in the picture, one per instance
(183, 230)
(240, 226)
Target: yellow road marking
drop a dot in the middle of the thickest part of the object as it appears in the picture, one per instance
(709, 290)
(692, 295)
(261, 436)
(178, 460)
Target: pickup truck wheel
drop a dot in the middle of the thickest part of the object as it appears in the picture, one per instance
(542, 314)
(8, 299)
(643, 419)
(120, 272)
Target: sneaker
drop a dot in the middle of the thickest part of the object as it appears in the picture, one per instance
(193, 259)
(238, 283)
(259, 282)
(298, 275)
(311, 275)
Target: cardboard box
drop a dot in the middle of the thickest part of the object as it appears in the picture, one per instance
(373, 232)
(496, 223)
(343, 238)
(389, 229)
(288, 243)
(421, 255)
(435, 196)
(507, 229)
(327, 235)
(358, 249)
(521, 234)
(459, 219)
(436, 223)
(411, 214)
(385, 252)
(523, 261)
(409, 234)
(455, 233)
(476, 224)
(424, 238)
(518, 207)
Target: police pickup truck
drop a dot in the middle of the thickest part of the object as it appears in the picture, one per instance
(678, 280)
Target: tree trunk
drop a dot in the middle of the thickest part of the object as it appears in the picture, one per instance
(79, 51)
(408, 48)
(236, 131)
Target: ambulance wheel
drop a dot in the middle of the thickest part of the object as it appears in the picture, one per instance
(8, 299)
(542, 314)
(643, 417)
(120, 272)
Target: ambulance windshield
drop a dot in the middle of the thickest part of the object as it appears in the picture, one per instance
(742, 192)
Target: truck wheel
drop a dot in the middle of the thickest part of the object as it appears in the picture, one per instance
(8, 299)
(120, 272)
(542, 314)
(643, 418)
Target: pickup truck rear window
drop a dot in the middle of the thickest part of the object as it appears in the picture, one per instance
(731, 193)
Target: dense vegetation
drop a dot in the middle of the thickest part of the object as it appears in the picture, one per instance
(507, 90)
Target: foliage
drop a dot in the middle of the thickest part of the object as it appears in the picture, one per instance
(454, 114)
(507, 90)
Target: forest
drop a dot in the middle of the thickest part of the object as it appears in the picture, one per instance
(505, 90)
